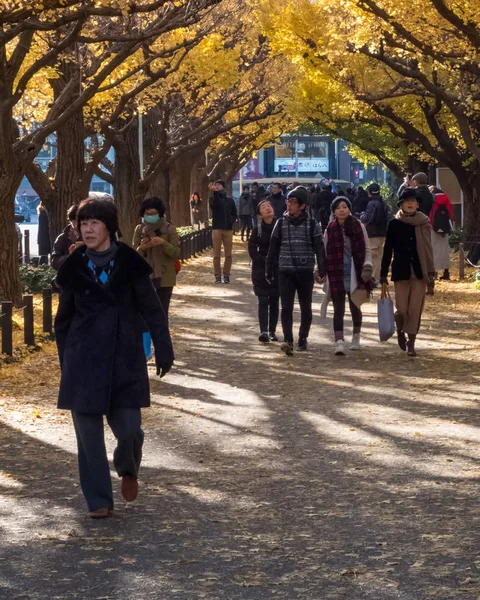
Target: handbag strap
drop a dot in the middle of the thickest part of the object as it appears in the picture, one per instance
(384, 293)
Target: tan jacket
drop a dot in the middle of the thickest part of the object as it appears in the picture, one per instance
(165, 255)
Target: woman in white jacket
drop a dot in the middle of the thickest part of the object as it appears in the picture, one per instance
(349, 270)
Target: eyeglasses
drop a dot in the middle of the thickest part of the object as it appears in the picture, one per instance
(292, 201)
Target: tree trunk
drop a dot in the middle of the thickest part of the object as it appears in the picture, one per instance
(70, 172)
(9, 276)
(70, 177)
(127, 187)
(180, 189)
(470, 185)
(160, 186)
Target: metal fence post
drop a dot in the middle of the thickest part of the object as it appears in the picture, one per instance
(28, 325)
(7, 328)
(182, 249)
(26, 241)
(461, 263)
(47, 310)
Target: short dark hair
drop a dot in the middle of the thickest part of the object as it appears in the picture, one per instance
(420, 178)
(261, 203)
(72, 212)
(101, 210)
(221, 182)
(154, 202)
(277, 184)
(246, 187)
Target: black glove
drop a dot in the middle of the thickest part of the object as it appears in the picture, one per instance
(163, 369)
(383, 280)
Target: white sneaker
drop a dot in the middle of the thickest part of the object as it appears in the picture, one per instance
(340, 348)
(355, 345)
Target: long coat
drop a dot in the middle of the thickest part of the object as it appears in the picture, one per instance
(401, 243)
(43, 235)
(99, 332)
(258, 245)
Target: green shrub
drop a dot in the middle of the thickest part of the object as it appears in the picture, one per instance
(35, 279)
(456, 237)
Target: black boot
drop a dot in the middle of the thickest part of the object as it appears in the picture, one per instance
(411, 345)
(446, 275)
(402, 340)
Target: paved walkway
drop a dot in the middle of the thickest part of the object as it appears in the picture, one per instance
(313, 477)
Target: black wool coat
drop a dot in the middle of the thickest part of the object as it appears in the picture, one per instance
(401, 243)
(258, 245)
(99, 333)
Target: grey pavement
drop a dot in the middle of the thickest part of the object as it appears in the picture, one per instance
(313, 477)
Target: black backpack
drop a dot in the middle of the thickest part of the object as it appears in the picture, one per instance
(441, 220)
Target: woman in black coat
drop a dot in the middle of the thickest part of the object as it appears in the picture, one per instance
(106, 298)
(43, 235)
(268, 293)
(409, 243)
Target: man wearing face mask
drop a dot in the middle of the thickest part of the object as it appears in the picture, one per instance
(156, 239)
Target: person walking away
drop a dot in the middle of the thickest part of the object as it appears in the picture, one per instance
(67, 241)
(224, 215)
(245, 212)
(156, 239)
(267, 293)
(419, 182)
(295, 244)
(376, 219)
(360, 201)
(441, 222)
(323, 201)
(277, 200)
(196, 206)
(409, 242)
(349, 270)
(43, 235)
(105, 300)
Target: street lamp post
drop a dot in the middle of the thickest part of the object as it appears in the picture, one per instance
(296, 158)
(140, 140)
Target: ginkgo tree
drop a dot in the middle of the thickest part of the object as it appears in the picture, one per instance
(409, 69)
(226, 85)
(82, 44)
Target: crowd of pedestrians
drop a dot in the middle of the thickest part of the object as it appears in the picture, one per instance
(347, 241)
(111, 294)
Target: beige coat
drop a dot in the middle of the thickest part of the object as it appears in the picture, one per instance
(165, 255)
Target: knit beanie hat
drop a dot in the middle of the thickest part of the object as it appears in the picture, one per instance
(407, 194)
(300, 193)
(336, 202)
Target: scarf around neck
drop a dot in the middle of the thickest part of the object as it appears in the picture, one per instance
(100, 259)
(423, 240)
(335, 249)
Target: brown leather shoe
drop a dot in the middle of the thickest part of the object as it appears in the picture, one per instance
(100, 513)
(129, 488)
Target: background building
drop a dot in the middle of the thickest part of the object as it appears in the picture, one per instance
(308, 157)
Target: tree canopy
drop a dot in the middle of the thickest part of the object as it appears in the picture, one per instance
(402, 73)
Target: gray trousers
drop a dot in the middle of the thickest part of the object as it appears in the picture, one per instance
(95, 480)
